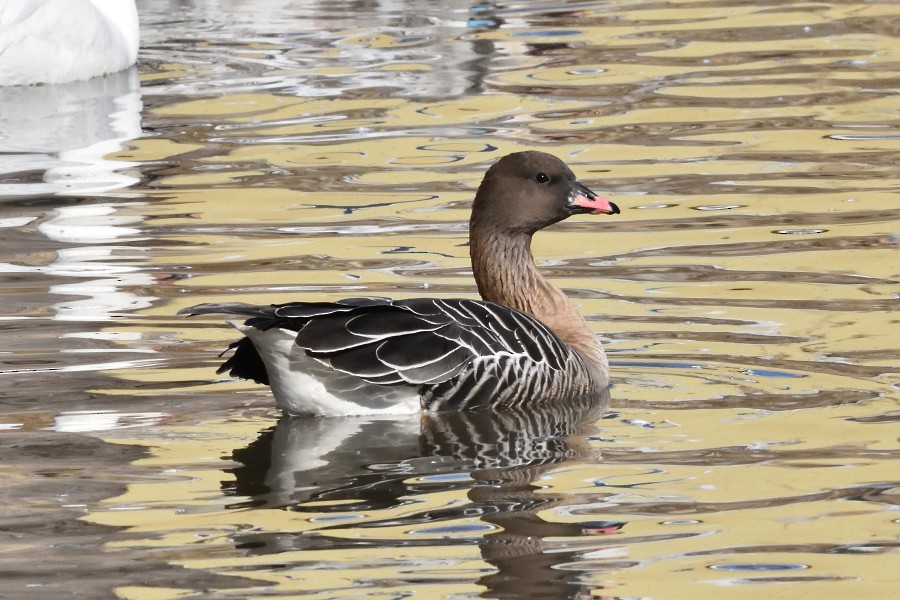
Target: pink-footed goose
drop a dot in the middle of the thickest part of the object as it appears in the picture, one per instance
(524, 343)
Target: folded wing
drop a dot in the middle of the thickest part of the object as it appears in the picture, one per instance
(459, 353)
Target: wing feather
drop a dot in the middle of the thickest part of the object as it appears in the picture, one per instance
(423, 358)
(361, 361)
(448, 367)
(374, 325)
(415, 350)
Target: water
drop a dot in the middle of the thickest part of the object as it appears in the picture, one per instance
(271, 151)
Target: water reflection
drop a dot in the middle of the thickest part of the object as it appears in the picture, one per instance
(54, 142)
(405, 49)
(342, 469)
(54, 138)
(68, 225)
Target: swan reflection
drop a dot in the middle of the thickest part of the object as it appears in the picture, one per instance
(54, 140)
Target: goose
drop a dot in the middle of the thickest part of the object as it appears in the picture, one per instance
(55, 41)
(524, 344)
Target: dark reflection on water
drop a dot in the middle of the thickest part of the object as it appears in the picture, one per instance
(378, 464)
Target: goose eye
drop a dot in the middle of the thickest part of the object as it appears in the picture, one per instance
(542, 178)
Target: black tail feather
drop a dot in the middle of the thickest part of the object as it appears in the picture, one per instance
(245, 363)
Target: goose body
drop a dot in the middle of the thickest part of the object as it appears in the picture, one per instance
(54, 41)
(523, 344)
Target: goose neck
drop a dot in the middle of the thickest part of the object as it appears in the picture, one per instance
(504, 269)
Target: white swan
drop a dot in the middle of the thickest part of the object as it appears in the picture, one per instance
(52, 41)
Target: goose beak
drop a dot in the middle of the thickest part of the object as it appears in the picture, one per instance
(582, 200)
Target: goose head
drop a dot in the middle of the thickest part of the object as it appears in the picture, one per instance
(524, 192)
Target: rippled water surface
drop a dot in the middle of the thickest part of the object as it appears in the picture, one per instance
(276, 150)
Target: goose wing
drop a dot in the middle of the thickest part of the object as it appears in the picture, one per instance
(421, 342)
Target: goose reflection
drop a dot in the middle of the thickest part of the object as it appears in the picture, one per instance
(344, 466)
